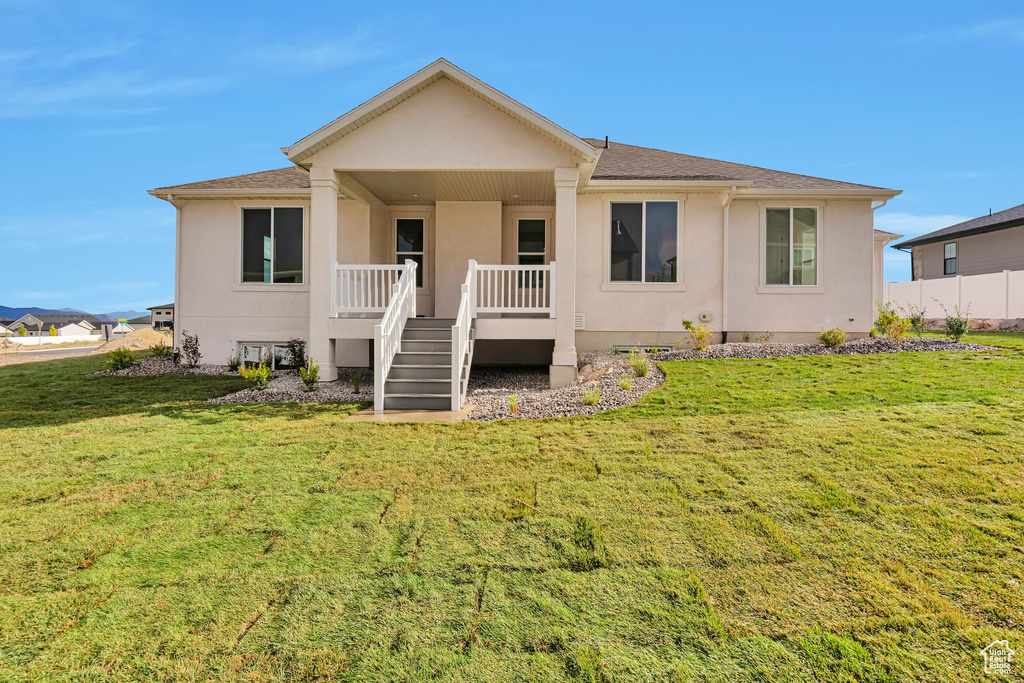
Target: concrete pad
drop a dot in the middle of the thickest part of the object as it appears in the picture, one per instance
(370, 415)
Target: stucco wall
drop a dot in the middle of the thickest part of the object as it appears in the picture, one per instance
(990, 252)
(212, 303)
(462, 231)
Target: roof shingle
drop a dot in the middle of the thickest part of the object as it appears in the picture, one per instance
(1010, 218)
(290, 178)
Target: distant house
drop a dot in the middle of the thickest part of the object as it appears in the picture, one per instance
(38, 324)
(163, 316)
(987, 244)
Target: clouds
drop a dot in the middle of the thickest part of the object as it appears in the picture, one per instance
(1010, 30)
(361, 45)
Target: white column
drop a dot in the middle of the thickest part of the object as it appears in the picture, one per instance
(563, 361)
(323, 252)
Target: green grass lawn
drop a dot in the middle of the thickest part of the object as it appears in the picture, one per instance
(829, 518)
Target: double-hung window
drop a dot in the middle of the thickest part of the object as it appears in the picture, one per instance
(949, 258)
(645, 242)
(272, 245)
(791, 246)
(410, 235)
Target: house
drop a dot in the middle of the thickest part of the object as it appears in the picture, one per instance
(443, 223)
(38, 324)
(163, 316)
(987, 244)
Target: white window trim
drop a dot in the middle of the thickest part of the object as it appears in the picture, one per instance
(264, 344)
(762, 286)
(547, 241)
(237, 284)
(955, 259)
(607, 284)
(428, 243)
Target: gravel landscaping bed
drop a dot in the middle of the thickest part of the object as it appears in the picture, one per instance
(164, 365)
(490, 388)
(865, 345)
(286, 386)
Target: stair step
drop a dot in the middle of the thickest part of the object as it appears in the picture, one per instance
(427, 333)
(417, 345)
(430, 322)
(418, 402)
(418, 387)
(434, 358)
(413, 371)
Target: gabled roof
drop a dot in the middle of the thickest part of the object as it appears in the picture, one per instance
(405, 89)
(629, 162)
(291, 180)
(1010, 218)
(33, 320)
(170, 305)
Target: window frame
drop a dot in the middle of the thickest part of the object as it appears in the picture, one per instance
(397, 255)
(543, 253)
(763, 287)
(239, 285)
(608, 283)
(947, 259)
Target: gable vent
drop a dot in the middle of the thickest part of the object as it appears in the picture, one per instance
(580, 322)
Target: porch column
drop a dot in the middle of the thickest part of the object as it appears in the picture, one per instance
(563, 361)
(323, 252)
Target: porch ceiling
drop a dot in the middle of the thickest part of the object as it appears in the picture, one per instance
(412, 188)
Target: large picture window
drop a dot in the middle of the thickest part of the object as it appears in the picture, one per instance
(949, 258)
(791, 246)
(410, 235)
(272, 245)
(645, 242)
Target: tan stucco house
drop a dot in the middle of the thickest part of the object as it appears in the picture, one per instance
(443, 223)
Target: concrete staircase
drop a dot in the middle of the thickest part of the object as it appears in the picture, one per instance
(421, 374)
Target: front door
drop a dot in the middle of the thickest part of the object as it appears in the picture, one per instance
(412, 242)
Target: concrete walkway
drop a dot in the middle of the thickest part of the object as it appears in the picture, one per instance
(369, 415)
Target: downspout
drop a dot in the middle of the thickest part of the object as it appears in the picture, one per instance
(725, 264)
(175, 340)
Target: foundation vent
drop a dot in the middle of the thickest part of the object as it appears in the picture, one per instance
(580, 323)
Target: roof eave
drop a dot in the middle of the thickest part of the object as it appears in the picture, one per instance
(211, 193)
(611, 185)
(872, 193)
(952, 237)
(299, 151)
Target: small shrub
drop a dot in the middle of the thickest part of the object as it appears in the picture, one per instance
(625, 382)
(513, 404)
(700, 335)
(357, 382)
(746, 337)
(310, 375)
(873, 333)
(162, 349)
(120, 359)
(640, 363)
(258, 376)
(832, 339)
(190, 352)
(891, 323)
(53, 331)
(915, 316)
(765, 339)
(297, 353)
(958, 324)
(22, 331)
(591, 396)
(234, 361)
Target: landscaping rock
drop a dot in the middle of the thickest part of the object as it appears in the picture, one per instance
(287, 386)
(164, 365)
(865, 345)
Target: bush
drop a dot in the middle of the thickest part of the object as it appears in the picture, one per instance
(310, 375)
(234, 360)
(890, 323)
(958, 324)
(22, 331)
(625, 382)
(640, 363)
(765, 339)
(258, 376)
(297, 353)
(53, 331)
(746, 337)
(120, 359)
(162, 349)
(190, 349)
(700, 335)
(357, 382)
(513, 404)
(832, 339)
(591, 396)
(915, 316)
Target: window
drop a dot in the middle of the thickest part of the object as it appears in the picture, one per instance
(949, 259)
(409, 240)
(272, 245)
(532, 241)
(644, 244)
(791, 246)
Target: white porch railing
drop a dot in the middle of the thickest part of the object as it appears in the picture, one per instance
(460, 334)
(363, 288)
(388, 335)
(515, 289)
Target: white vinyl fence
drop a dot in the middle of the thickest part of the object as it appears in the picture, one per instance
(58, 339)
(992, 295)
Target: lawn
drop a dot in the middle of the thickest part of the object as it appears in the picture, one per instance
(818, 518)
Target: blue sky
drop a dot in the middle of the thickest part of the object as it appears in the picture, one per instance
(101, 101)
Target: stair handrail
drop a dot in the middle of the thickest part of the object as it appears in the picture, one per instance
(460, 334)
(388, 334)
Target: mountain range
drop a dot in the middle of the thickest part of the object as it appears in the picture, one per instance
(15, 313)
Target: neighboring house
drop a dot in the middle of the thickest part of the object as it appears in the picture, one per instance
(988, 244)
(140, 323)
(38, 324)
(163, 316)
(544, 244)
